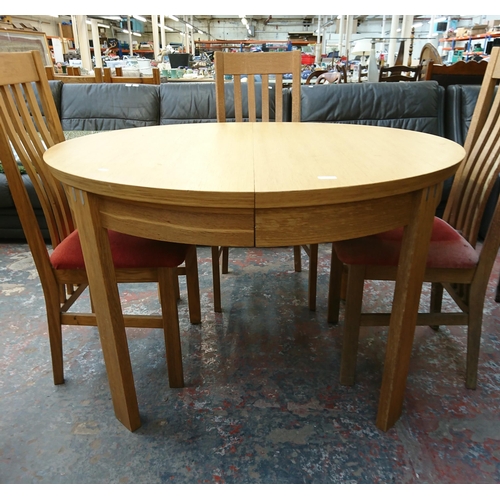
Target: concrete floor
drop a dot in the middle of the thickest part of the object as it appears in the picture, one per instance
(262, 402)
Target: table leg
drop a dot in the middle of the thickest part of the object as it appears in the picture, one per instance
(106, 300)
(407, 292)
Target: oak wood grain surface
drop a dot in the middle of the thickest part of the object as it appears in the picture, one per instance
(257, 184)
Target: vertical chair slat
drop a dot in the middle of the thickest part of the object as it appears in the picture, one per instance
(265, 98)
(479, 118)
(252, 111)
(238, 101)
(17, 146)
(278, 96)
(40, 136)
(477, 168)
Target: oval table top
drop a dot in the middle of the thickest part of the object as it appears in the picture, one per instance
(254, 164)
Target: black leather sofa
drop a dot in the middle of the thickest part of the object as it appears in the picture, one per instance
(87, 108)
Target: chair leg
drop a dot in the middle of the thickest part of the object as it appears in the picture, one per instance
(497, 295)
(313, 276)
(350, 339)
(343, 286)
(55, 336)
(216, 279)
(193, 285)
(474, 327)
(436, 300)
(225, 260)
(297, 258)
(177, 289)
(166, 278)
(334, 289)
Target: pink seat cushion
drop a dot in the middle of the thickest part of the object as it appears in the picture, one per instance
(128, 252)
(447, 249)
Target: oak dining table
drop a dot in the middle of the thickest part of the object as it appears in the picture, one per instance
(254, 185)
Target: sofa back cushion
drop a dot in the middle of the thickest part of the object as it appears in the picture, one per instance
(408, 105)
(196, 102)
(105, 106)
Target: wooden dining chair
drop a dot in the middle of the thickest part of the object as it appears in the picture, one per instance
(399, 73)
(454, 261)
(74, 75)
(313, 76)
(459, 73)
(320, 77)
(265, 64)
(154, 79)
(29, 125)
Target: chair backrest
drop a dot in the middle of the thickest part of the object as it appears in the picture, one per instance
(74, 75)
(399, 73)
(338, 75)
(478, 171)
(363, 72)
(340, 68)
(314, 75)
(250, 64)
(427, 54)
(29, 125)
(461, 72)
(154, 79)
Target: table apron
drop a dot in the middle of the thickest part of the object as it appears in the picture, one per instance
(260, 227)
(193, 225)
(326, 223)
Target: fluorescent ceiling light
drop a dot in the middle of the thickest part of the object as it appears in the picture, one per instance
(98, 24)
(173, 18)
(133, 33)
(113, 18)
(168, 28)
(140, 18)
(417, 25)
(190, 25)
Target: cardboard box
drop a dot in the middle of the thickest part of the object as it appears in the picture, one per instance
(478, 29)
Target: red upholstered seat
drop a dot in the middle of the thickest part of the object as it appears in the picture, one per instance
(128, 252)
(447, 249)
